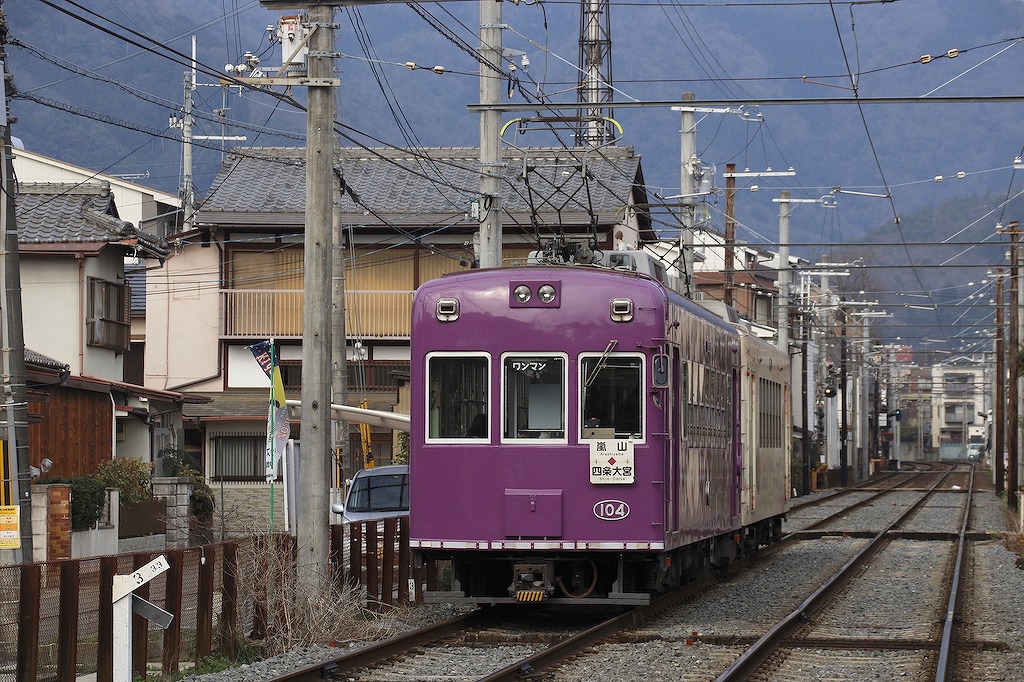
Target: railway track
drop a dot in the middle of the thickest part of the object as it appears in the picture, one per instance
(868, 601)
(913, 635)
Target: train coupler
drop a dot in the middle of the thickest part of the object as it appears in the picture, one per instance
(531, 583)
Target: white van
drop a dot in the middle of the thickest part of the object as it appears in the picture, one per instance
(377, 493)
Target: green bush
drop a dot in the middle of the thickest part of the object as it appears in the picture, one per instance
(180, 463)
(402, 456)
(202, 495)
(88, 498)
(133, 477)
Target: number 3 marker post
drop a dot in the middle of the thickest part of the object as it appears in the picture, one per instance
(125, 603)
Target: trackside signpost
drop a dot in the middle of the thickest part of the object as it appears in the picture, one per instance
(126, 603)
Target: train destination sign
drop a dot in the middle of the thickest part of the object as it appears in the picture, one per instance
(611, 461)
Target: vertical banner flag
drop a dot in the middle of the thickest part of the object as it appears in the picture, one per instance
(278, 429)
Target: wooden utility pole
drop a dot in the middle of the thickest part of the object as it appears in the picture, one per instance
(1013, 429)
(12, 344)
(805, 441)
(730, 232)
(998, 422)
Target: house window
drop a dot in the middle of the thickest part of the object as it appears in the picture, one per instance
(763, 313)
(240, 458)
(109, 315)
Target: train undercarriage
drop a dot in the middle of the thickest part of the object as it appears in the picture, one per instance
(596, 577)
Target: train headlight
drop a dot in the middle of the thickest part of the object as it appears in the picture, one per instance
(621, 310)
(534, 293)
(447, 309)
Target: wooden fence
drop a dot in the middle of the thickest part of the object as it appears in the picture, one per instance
(56, 618)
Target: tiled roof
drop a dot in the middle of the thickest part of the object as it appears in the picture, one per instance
(434, 181)
(85, 213)
(41, 361)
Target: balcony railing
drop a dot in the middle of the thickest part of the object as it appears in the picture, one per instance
(277, 313)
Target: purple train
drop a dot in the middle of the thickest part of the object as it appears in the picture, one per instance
(587, 435)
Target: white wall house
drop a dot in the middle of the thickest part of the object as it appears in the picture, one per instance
(76, 300)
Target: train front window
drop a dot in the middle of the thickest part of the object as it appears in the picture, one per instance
(534, 405)
(458, 395)
(611, 392)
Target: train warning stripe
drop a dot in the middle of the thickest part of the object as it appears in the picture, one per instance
(530, 595)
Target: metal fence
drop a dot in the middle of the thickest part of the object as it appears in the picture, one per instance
(56, 618)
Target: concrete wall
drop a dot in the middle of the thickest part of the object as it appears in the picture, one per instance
(244, 508)
(53, 539)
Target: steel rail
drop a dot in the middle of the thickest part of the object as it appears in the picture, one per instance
(944, 666)
(374, 653)
(878, 492)
(758, 653)
(550, 656)
(572, 645)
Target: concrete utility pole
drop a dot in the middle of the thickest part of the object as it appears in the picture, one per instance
(313, 538)
(782, 310)
(188, 192)
(491, 166)
(12, 347)
(687, 187)
(844, 426)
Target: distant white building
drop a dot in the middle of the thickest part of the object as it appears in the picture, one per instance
(960, 405)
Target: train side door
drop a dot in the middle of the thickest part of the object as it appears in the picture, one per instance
(674, 444)
(737, 444)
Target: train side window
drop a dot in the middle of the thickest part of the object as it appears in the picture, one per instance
(534, 396)
(611, 393)
(458, 395)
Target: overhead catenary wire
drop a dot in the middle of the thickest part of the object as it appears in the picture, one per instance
(820, 4)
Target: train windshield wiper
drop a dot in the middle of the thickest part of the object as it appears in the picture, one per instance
(602, 362)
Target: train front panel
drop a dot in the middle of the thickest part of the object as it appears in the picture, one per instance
(538, 427)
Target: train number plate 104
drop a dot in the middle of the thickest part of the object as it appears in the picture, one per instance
(611, 461)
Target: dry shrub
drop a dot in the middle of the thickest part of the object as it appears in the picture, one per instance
(284, 614)
(1015, 543)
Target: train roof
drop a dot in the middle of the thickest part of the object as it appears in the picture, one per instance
(637, 264)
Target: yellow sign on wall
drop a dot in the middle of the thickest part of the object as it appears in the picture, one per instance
(10, 527)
